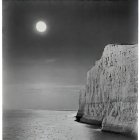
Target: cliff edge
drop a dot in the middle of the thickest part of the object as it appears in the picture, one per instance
(110, 96)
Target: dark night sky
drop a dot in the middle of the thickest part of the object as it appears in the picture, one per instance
(46, 71)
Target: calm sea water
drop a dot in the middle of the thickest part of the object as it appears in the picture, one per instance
(50, 125)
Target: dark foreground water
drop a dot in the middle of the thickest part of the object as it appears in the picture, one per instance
(51, 125)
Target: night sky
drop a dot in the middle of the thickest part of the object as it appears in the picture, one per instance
(46, 71)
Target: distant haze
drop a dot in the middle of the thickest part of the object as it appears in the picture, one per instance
(46, 71)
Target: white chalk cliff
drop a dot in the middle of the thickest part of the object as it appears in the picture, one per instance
(110, 97)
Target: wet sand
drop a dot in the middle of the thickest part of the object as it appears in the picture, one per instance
(51, 125)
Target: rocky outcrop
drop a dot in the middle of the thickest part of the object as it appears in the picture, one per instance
(82, 100)
(110, 97)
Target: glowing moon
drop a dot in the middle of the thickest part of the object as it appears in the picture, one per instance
(41, 26)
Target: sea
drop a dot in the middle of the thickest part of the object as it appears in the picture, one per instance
(51, 125)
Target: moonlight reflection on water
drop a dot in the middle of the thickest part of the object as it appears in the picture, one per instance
(51, 125)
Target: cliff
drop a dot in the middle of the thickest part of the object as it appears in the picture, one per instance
(110, 97)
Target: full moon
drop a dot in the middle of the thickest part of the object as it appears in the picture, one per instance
(41, 26)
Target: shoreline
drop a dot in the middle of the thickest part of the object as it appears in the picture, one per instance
(98, 124)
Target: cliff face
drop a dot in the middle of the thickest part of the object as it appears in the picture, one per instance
(111, 91)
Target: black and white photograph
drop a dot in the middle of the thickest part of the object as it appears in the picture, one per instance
(69, 69)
